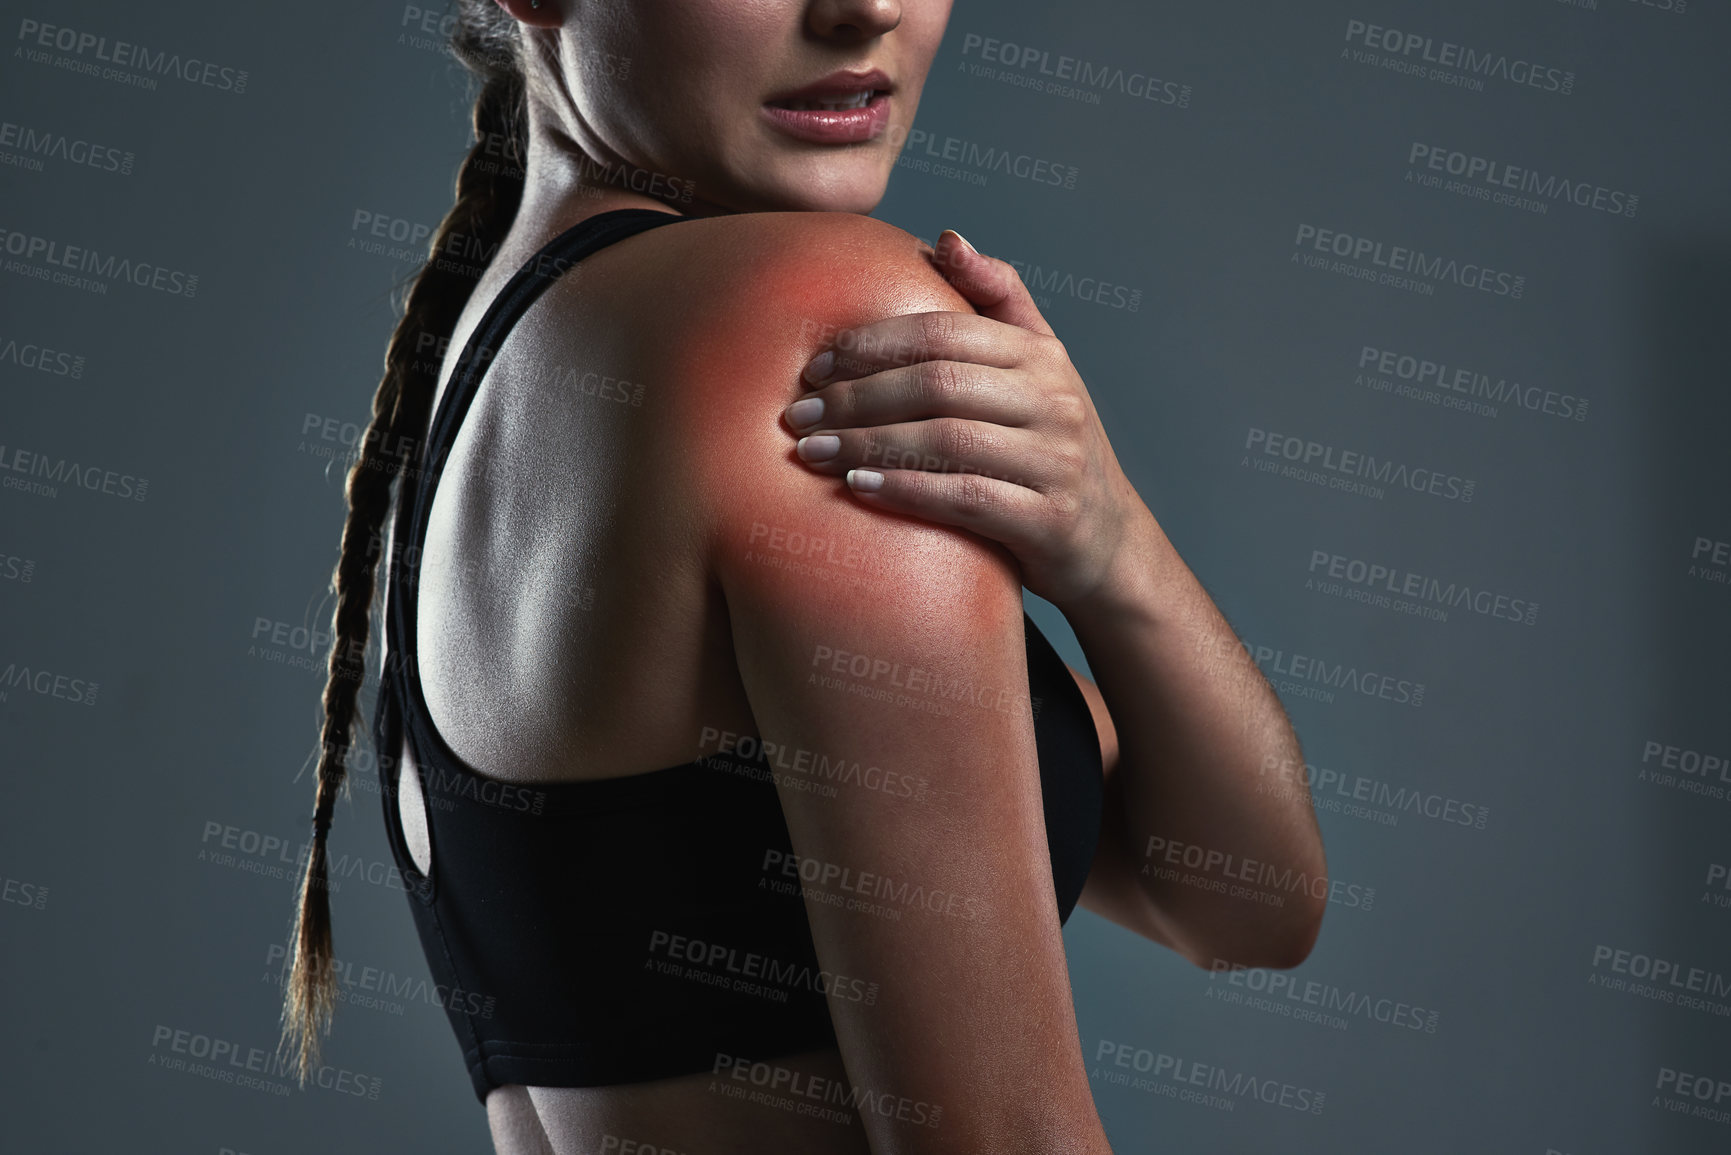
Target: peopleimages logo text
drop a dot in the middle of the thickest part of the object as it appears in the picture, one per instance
(29, 248)
(63, 471)
(926, 146)
(1422, 371)
(1130, 82)
(1399, 259)
(34, 144)
(1422, 587)
(1358, 463)
(1460, 57)
(123, 54)
(1544, 188)
(1042, 280)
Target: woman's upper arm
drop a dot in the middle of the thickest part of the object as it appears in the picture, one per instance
(864, 636)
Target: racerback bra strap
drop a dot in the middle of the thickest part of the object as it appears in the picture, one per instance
(525, 287)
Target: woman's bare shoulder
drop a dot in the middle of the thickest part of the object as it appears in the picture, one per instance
(711, 321)
(749, 267)
(742, 304)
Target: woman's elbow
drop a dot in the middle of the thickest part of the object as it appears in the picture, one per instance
(1292, 944)
(1278, 943)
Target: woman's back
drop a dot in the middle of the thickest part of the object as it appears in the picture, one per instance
(569, 628)
(607, 586)
(566, 629)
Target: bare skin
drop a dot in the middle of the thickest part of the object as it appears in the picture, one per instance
(619, 534)
(637, 683)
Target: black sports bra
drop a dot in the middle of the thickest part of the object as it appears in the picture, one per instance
(625, 929)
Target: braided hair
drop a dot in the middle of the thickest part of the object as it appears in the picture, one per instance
(489, 189)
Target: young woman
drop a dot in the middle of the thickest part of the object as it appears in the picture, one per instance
(740, 803)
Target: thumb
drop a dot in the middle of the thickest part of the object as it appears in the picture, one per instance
(990, 285)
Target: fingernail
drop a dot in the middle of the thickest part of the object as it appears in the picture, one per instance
(964, 241)
(820, 448)
(866, 480)
(820, 367)
(804, 413)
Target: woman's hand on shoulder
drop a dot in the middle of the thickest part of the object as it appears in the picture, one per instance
(973, 419)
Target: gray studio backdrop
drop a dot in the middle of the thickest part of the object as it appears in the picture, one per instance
(1408, 321)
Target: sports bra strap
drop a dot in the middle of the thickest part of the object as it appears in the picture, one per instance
(537, 274)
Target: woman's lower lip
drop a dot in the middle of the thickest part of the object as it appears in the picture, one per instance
(843, 126)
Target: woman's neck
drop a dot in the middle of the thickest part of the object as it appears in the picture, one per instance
(570, 175)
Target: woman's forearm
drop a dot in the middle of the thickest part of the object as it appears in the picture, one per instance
(1205, 760)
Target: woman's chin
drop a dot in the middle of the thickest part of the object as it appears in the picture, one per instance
(800, 178)
(846, 192)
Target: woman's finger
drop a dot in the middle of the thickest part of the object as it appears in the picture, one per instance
(914, 337)
(913, 392)
(942, 445)
(990, 285)
(1000, 510)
